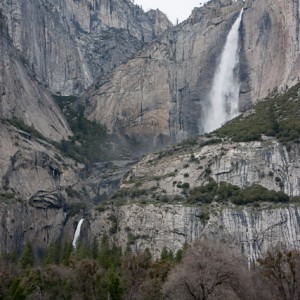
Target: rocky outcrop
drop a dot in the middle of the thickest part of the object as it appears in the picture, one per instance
(33, 204)
(43, 193)
(72, 42)
(150, 210)
(271, 45)
(154, 226)
(267, 163)
(102, 179)
(21, 223)
(28, 164)
(159, 96)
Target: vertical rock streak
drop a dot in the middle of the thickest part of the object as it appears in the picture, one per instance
(224, 95)
(77, 233)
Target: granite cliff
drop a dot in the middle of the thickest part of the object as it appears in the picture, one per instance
(147, 82)
(23, 98)
(158, 97)
(160, 206)
(155, 226)
(72, 42)
(271, 46)
(182, 63)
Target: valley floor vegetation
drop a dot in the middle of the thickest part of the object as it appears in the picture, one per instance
(202, 271)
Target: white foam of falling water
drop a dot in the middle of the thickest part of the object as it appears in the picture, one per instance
(224, 95)
(77, 234)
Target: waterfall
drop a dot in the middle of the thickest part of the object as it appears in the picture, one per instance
(224, 95)
(77, 233)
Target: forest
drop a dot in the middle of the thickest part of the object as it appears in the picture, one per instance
(202, 271)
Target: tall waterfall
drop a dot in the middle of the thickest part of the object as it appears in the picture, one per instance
(224, 95)
(77, 233)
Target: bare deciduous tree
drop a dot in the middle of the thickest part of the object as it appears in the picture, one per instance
(208, 271)
(282, 269)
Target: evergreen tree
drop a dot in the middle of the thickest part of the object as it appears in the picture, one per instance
(166, 255)
(104, 252)
(27, 258)
(52, 255)
(115, 290)
(66, 253)
(16, 292)
(179, 255)
(109, 256)
(94, 251)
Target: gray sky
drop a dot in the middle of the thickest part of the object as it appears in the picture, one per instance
(174, 9)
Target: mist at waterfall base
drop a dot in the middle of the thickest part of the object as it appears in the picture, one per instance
(77, 234)
(224, 95)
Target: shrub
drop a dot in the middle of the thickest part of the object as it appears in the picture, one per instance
(90, 142)
(72, 193)
(100, 208)
(186, 185)
(279, 116)
(75, 208)
(227, 192)
(207, 172)
(204, 216)
(211, 142)
(114, 224)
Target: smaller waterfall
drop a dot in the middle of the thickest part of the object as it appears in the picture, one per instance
(224, 95)
(77, 234)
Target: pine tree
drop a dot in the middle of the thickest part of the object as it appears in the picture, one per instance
(166, 255)
(27, 258)
(115, 290)
(94, 251)
(66, 253)
(52, 255)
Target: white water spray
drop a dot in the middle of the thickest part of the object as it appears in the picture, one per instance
(224, 95)
(77, 233)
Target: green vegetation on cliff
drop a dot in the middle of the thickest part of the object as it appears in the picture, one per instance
(90, 140)
(224, 192)
(277, 116)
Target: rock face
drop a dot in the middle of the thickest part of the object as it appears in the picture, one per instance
(143, 220)
(158, 97)
(32, 204)
(29, 165)
(25, 223)
(151, 88)
(161, 94)
(267, 163)
(22, 97)
(43, 193)
(171, 226)
(271, 45)
(72, 42)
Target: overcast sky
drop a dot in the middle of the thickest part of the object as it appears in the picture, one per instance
(174, 9)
